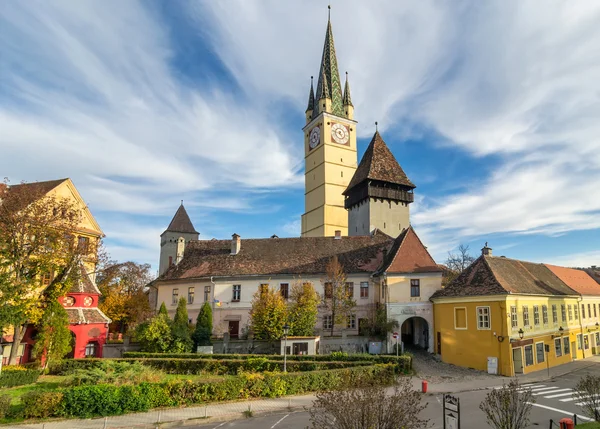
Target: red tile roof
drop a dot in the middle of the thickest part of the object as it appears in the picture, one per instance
(181, 222)
(80, 315)
(409, 255)
(578, 280)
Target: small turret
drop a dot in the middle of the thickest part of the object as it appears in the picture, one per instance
(347, 100)
(311, 102)
(173, 241)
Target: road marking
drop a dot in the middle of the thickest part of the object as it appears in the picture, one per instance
(568, 413)
(279, 421)
(578, 398)
(570, 392)
(530, 384)
(546, 389)
(218, 426)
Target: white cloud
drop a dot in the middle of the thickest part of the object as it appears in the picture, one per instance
(583, 259)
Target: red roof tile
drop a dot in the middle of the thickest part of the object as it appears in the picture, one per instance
(409, 255)
(577, 280)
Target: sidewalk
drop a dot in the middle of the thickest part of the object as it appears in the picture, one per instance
(235, 410)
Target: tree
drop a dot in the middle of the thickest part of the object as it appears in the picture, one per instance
(204, 326)
(377, 325)
(337, 299)
(303, 309)
(508, 407)
(53, 340)
(587, 393)
(123, 293)
(155, 336)
(37, 242)
(457, 263)
(369, 407)
(268, 314)
(182, 341)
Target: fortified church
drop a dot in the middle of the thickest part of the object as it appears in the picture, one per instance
(358, 212)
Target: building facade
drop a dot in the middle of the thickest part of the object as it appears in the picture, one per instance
(509, 317)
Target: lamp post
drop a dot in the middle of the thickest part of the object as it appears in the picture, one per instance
(521, 333)
(286, 329)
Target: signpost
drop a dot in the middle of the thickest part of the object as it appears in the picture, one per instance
(451, 411)
(395, 336)
(547, 350)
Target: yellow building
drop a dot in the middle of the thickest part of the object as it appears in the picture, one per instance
(329, 149)
(508, 317)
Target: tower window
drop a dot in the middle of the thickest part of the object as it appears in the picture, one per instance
(170, 261)
(342, 173)
(384, 225)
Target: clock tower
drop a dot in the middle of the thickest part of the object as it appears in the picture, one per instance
(329, 149)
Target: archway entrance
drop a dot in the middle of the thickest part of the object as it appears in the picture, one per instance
(414, 332)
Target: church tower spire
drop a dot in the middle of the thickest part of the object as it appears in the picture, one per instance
(329, 148)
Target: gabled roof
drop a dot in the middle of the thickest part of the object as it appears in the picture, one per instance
(578, 280)
(181, 222)
(491, 275)
(329, 85)
(84, 284)
(271, 256)
(409, 255)
(80, 315)
(378, 163)
(35, 190)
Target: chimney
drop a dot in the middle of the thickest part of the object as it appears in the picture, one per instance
(338, 234)
(486, 251)
(236, 244)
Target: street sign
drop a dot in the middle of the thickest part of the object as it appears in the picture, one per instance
(395, 335)
(451, 410)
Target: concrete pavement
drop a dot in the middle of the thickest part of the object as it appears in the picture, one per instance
(224, 411)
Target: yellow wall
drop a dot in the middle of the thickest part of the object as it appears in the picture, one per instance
(398, 286)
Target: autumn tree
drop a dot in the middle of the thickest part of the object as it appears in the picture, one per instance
(303, 309)
(268, 314)
(587, 395)
(338, 294)
(508, 407)
(204, 326)
(457, 263)
(123, 298)
(378, 325)
(180, 329)
(53, 340)
(155, 335)
(38, 250)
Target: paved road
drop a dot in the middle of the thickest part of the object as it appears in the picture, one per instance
(554, 401)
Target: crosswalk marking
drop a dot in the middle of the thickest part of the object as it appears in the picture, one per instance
(544, 389)
(579, 398)
(554, 391)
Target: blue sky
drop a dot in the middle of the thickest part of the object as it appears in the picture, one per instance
(492, 109)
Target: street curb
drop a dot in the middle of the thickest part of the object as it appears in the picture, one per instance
(223, 418)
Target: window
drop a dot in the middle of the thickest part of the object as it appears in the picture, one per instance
(598, 338)
(237, 293)
(566, 345)
(91, 349)
(351, 321)
(525, 316)
(595, 314)
(514, 319)
(576, 308)
(539, 352)
(528, 355)
(545, 315)
(586, 342)
(327, 322)
(415, 288)
(175, 296)
(206, 293)
(328, 290)
(563, 312)
(364, 289)
(170, 261)
(83, 244)
(46, 279)
(284, 290)
(554, 314)
(590, 311)
(460, 318)
(579, 341)
(583, 311)
(349, 290)
(483, 317)
(190, 295)
(570, 308)
(557, 347)
(536, 315)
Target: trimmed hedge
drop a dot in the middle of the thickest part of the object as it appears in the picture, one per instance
(104, 400)
(4, 405)
(41, 404)
(404, 361)
(211, 366)
(17, 376)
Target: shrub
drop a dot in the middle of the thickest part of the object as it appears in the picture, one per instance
(114, 372)
(18, 376)
(338, 356)
(41, 404)
(4, 405)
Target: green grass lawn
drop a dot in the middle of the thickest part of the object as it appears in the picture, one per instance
(590, 425)
(45, 382)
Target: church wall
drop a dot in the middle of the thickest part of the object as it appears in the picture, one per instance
(358, 220)
(399, 286)
(389, 217)
(168, 247)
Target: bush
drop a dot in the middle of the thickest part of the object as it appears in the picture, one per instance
(114, 372)
(41, 404)
(102, 400)
(4, 405)
(18, 376)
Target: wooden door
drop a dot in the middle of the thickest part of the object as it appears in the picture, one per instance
(234, 329)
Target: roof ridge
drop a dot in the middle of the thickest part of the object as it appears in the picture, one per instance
(491, 270)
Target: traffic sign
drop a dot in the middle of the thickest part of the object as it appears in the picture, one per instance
(395, 335)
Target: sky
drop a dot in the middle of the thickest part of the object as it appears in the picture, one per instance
(491, 108)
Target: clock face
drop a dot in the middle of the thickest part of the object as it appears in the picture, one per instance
(339, 133)
(69, 301)
(88, 301)
(315, 137)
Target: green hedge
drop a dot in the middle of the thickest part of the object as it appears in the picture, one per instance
(11, 377)
(403, 360)
(211, 366)
(104, 400)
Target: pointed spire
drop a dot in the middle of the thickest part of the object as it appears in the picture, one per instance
(347, 99)
(329, 85)
(181, 222)
(311, 97)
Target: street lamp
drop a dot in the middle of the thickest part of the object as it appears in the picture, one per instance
(521, 333)
(561, 330)
(286, 329)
